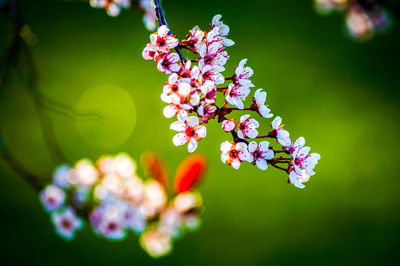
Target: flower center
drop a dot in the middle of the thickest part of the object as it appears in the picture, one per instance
(298, 161)
(66, 224)
(161, 41)
(291, 149)
(112, 226)
(257, 154)
(190, 132)
(165, 63)
(233, 154)
(174, 88)
(208, 60)
(51, 200)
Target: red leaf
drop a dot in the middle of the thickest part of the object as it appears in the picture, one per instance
(154, 167)
(189, 173)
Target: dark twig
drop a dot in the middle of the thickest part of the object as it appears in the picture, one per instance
(162, 21)
(32, 179)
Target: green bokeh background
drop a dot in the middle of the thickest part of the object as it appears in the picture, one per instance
(340, 95)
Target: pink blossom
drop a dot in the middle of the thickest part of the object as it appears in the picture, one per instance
(168, 63)
(261, 153)
(212, 54)
(247, 127)
(235, 95)
(66, 223)
(228, 125)
(208, 91)
(259, 99)
(162, 40)
(190, 131)
(211, 73)
(175, 89)
(234, 153)
(149, 52)
(206, 111)
(281, 135)
(223, 30)
(52, 197)
(304, 163)
(242, 74)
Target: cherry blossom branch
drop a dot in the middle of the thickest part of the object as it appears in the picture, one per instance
(192, 90)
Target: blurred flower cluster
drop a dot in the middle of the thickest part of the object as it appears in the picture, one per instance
(114, 7)
(191, 95)
(149, 17)
(364, 18)
(116, 201)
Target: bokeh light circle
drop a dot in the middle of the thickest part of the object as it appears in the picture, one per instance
(113, 119)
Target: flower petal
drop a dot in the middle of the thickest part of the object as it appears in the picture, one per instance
(169, 111)
(192, 121)
(178, 126)
(226, 146)
(192, 145)
(262, 164)
(276, 122)
(252, 146)
(201, 131)
(179, 139)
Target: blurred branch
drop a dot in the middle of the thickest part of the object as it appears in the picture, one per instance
(32, 179)
(18, 53)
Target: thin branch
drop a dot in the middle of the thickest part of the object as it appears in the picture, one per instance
(162, 21)
(278, 167)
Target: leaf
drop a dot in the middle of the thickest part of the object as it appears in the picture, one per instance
(154, 167)
(189, 173)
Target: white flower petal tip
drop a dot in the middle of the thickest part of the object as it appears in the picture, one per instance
(228, 125)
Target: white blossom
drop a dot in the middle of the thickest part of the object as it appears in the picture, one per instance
(261, 153)
(66, 223)
(259, 99)
(282, 136)
(243, 73)
(52, 197)
(247, 128)
(234, 153)
(162, 40)
(228, 125)
(235, 95)
(169, 63)
(190, 131)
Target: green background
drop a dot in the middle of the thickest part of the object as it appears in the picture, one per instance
(340, 95)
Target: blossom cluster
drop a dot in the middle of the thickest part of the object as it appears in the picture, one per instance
(116, 201)
(114, 7)
(191, 95)
(363, 18)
